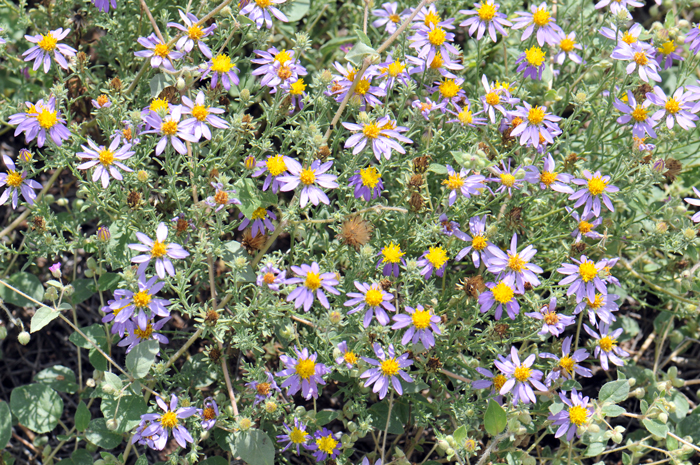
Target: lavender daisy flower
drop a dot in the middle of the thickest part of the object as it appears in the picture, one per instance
(459, 182)
(520, 377)
(601, 307)
(271, 277)
(393, 70)
(500, 294)
(571, 419)
(422, 324)
(101, 102)
(377, 301)
(277, 67)
(536, 123)
(17, 182)
(135, 335)
(428, 106)
(615, 7)
(304, 373)
(144, 303)
(201, 115)
(495, 382)
(208, 413)
(427, 15)
(548, 178)
(506, 178)
(584, 226)
(275, 166)
(296, 436)
(261, 220)
(667, 52)
(606, 345)
(596, 187)
(433, 39)
(367, 93)
(676, 108)
(380, 134)
(297, 92)
(169, 421)
(388, 17)
(348, 357)
(367, 182)
(259, 11)
(465, 116)
(485, 15)
(641, 57)
(538, 17)
(160, 250)
(696, 202)
(433, 259)
(170, 128)
(449, 227)
(25, 155)
(583, 279)
(496, 95)
(567, 45)
(390, 367)
(160, 54)
(325, 444)
(150, 440)
(441, 64)
(222, 198)
(450, 91)
(107, 160)
(391, 257)
(513, 263)
(313, 281)
(110, 315)
(221, 67)
(568, 363)
(193, 34)
(552, 322)
(620, 35)
(263, 390)
(693, 39)
(159, 105)
(38, 119)
(477, 240)
(638, 113)
(103, 5)
(531, 62)
(309, 178)
(46, 45)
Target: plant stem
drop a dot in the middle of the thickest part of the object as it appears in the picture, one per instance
(388, 418)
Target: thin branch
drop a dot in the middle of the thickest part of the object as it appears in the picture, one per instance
(153, 21)
(629, 268)
(26, 213)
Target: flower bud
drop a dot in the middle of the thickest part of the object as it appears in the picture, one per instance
(49, 199)
(580, 98)
(638, 393)
(24, 338)
(616, 437)
(69, 290)
(443, 445)
(661, 227)
(226, 11)
(90, 383)
(245, 424)
(55, 270)
(326, 76)
(112, 424)
(244, 95)
(450, 452)
(451, 441)
(352, 426)
(335, 317)
(250, 162)
(663, 417)
(525, 418)
(180, 84)
(103, 234)
(593, 428)
(689, 234)
(270, 406)
(25, 155)
(62, 202)
(632, 381)
(51, 294)
(142, 176)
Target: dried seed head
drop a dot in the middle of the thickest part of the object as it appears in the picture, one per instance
(434, 364)
(214, 173)
(473, 286)
(116, 84)
(39, 223)
(416, 202)
(420, 164)
(674, 167)
(323, 153)
(356, 232)
(214, 354)
(212, 317)
(416, 181)
(578, 248)
(253, 244)
(385, 283)
(133, 200)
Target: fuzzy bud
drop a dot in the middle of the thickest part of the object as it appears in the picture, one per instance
(689, 234)
(90, 383)
(580, 98)
(335, 317)
(245, 424)
(250, 162)
(326, 76)
(663, 417)
(142, 176)
(451, 441)
(525, 418)
(51, 294)
(245, 95)
(638, 393)
(593, 428)
(62, 202)
(616, 437)
(270, 406)
(632, 381)
(24, 338)
(443, 445)
(661, 227)
(112, 424)
(69, 290)
(363, 118)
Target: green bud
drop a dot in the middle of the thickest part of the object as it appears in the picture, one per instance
(443, 445)
(49, 199)
(112, 424)
(89, 273)
(525, 418)
(24, 338)
(62, 202)
(69, 290)
(663, 417)
(451, 441)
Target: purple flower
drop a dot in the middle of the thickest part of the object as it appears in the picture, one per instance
(144, 303)
(584, 226)
(193, 34)
(170, 128)
(265, 389)
(390, 367)
(638, 113)
(208, 413)
(552, 322)
(695, 218)
(221, 68)
(107, 160)
(160, 53)
(391, 257)
(441, 64)
(313, 281)
(367, 182)
(222, 198)
(160, 250)
(496, 95)
(486, 15)
(393, 70)
(325, 444)
(25, 155)
(135, 335)
(693, 39)
(2, 41)
(431, 39)
(46, 45)
(520, 377)
(259, 11)
(548, 178)
(296, 436)
(569, 420)
(38, 119)
(388, 17)
(433, 259)
(537, 124)
(427, 107)
(449, 228)
(16, 182)
(478, 242)
(149, 440)
(261, 220)
(201, 115)
(101, 102)
(596, 187)
(380, 134)
(641, 57)
(538, 17)
(514, 264)
(568, 363)
(531, 62)
(375, 299)
(167, 422)
(617, 34)
(677, 108)
(567, 45)
(583, 279)
(304, 373)
(495, 382)
(606, 345)
(667, 52)
(367, 93)
(103, 5)
(275, 166)
(506, 178)
(501, 293)
(277, 67)
(459, 182)
(422, 324)
(601, 307)
(449, 90)
(348, 357)
(465, 117)
(309, 177)
(271, 277)
(55, 270)
(615, 7)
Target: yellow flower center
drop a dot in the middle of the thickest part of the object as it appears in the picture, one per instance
(507, 179)
(263, 3)
(362, 87)
(596, 185)
(351, 75)
(221, 198)
(46, 118)
(283, 56)
(628, 38)
(541, 17)
(453, 182)
(350, 358)
(195, 32)
(522, 373)
(515, 122)
(498, 382)
(503, 293)
(374, 297)
(371, 131)
(298, 87)
(263, 388)
(169, 128)
(102, 100)
(567, 364)
(389, 367)
(431, 18)
(200, 112)
(486, 12)
(392, 253)
(161, 50)
(142, 299)
(641, 58)
(672, 106)
(597, 302)
(535, 56)
(305, 368)
(106, 157)
(437, 36)
(584, 227)
(639, 113)
(158, 249)
(567, 44)
(516, 263)
(145, 334)
(259, 214)
(551, 318)
(421, 319)
(14, 179)
(221, 64)
(326, 444)
(607, 343)
(48, 42)
(158, 104)
(425, 107)
(578, 415)
(587, 271)
(437, 61)
(448, 88)
(209, 413)
(269, 278)
(437, 256)
(307, 176)
(169, 420)
(284, 72)
(478, 243)
(465, 116)
(548, 177)
(297, 436)
(395, 68)
(370, 177)
(535, 116)
(275, 165)
(394, 18)
(667, 48)
(492, 98)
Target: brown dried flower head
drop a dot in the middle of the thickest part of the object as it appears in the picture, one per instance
(252, 244)
(355, 232)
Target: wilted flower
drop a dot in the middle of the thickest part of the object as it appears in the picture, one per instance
(584, 227)
(271, 277)
(208, 413)
(46, 45)
(222, 198)
(428, 106)
(375, 299)
(422, 324)
(101, 102)
(304, 373)
(389, 366)
(277, 67)
(552, 322)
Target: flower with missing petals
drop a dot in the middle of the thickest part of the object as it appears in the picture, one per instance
(222, 198)
(602, 308)
(568, 363)
(391, 257)
(221, 67)
(167, 422)
(347, 356)
(304, 373)
(464, 116)
(548, 178)
(141, 307)
(389, 369)
(296, 436)
(495, 382)
(389, 17)
(532, 62)
(261, 221)
(496, 95)
(103, 5)
(47, 45)
(159, 250)
(367, 183)
(428, 106)
(584, 225)
(135, 335)
(275, 166)
(553, 323)
(506, 178)
(263, 390)
(208, 413)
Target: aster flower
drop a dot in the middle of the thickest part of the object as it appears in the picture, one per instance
(568, 363)
(103, 5)
(606, 345)
(160, 53)
(450, 91)
(208, 413)
(428, 106)
(135, 335)
(441, 64)
(259, 11)
(567, 46)
(221, 67)
(501, 293)
(364, 90)
(144, 303)
(38, 119)
(520, 377)
(388, 17)
(433, 39)
(583, 279)
(106, 159)
(311, 280)
(696, 202)
(496, 95)
(548, 178)
(692, 38)
(393, 70)
(601, 307)
(577, 415)
(531, 61)
(150, 440)
(506, 178)
(297, 92)
(391, 257)
(46, 45)
(304, 373)
(449, 227)
(222, 198)
(596, 187)
(667, 52)
(615, 7)
(271, 277)
(427, 16)
(101, 102)
(433, 259)
(159, 105)
(540, 19)
(296, 436)
(25, 155)
(160, 250)
(465, 117)
(201, 115)
(380, 133)
(536, 123)
(552, 322)
(485, 15)
(16, 182)
(193, 34)
(643, 122)
(309, 177)
(460, 182)
(495, 382)
(110, 315)
(348, 357)
(389, 369)
(276, 67)
(676, 108)
(513, 263)
(325, 444)
(584, 227)
(377, 301)
(422, 324)
(619, 35)
(167, 422)
(171, 129)
(261, 220)
(275, 166)
(263, 390)
(477, 241)
(641, 57)
(367, 183)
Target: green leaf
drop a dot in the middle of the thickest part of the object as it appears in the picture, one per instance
(613, 410)
(25, 282)
(297, 10)
(460, 434)
(42, 317)
(141, 358)
(96, 333)
(690, 426)
(399, 416)
(249, 195)
(358, 53)
(437, 168)
(216, 460)
(84, 289)
(98, 434)
(158, 83)
(255, 448)
(326, 416)
(233, 251)
(495, 418)
(614, 391)
(626, 459)
(113, 381)
(108, 281)
(594, 449)
(129, 413)
(5, 424)
(655, 427)
(81, 457)
(36, 406)
(363, 37)
(58, 377)
(225, 440)
(82, 417)
(143, 460)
